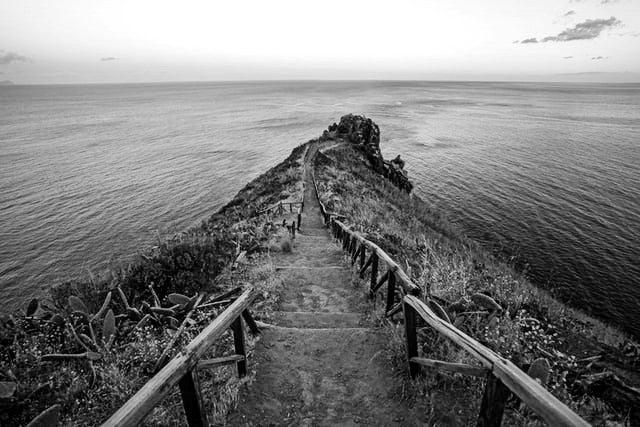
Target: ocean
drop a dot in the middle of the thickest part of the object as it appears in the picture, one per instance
(547, 175)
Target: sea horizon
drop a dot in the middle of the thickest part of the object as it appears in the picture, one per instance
(506, 79)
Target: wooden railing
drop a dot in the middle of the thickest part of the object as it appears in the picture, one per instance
(503, 377)
(281, 207)
(182, 369)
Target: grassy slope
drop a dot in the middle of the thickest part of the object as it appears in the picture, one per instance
(198, 260)
(447, 265)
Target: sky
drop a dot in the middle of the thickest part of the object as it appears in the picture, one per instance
(111, 41)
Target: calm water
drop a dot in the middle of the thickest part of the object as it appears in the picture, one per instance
(547, 173)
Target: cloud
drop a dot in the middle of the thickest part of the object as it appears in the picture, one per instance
(597, 58)
(587, 30)
(567, 57)
(571, 12)
(531, 40)
(9, 57)
(109, 58)
(609, 1)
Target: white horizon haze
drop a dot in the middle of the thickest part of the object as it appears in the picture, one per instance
(116, 41)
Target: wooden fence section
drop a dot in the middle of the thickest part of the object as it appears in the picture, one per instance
(182, 369)
(282, 207)
(503, 377)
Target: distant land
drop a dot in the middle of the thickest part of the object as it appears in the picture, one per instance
(6, 83)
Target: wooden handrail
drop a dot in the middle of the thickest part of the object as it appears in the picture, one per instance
(503, 376)
(408, 286)
(179, 369)
(522, 385)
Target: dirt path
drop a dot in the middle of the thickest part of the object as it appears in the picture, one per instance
(320, 364)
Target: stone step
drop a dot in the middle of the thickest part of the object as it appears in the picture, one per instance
(316, 319)
(308, 257)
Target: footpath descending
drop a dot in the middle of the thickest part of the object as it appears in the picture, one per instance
(319, 365)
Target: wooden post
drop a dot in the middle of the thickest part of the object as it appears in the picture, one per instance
(293, 230)
(192, 401)
(391, 291)
(363, 255)
(251, 323)
(412, 338)
(290, 207)
(354, 255)
(383, 278)
(299, 219)
(238, 341)
(374, 269)
(493, 401)
(366, 264)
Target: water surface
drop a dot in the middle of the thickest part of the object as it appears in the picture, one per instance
(547, 173)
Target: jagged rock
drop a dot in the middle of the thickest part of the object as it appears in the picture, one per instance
(540, 370)
(364, 133)
(326, 135)
(398, 161)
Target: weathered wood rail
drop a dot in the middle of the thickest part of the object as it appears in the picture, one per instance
(182, 369)
(503, 378)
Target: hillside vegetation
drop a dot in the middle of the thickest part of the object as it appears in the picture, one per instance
(585, 363)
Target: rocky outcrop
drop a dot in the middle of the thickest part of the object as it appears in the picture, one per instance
(365, 134)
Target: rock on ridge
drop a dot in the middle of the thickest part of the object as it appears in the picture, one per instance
(365, 134)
